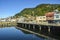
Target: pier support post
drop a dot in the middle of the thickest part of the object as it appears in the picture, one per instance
(22, 25)
(49, 29)
(29, 26)
(25, 25)
(33, 27)
(40, 28)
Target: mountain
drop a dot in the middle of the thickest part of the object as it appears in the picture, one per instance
(39, 10)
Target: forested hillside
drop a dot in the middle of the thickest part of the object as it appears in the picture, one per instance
(39, 10)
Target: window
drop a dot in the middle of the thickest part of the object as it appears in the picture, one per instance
(40, 17)
(44, 17)
(57, 16)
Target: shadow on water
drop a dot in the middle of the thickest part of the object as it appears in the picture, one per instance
(27, 32)
(57, 37)
(34, 34)
(16, 33)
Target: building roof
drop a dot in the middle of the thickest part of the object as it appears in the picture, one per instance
(49, 14)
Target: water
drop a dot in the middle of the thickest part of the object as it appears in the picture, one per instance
(12, 33)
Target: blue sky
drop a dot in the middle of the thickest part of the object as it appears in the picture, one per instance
(11, 7)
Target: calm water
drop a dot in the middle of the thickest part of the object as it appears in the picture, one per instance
(12, 33)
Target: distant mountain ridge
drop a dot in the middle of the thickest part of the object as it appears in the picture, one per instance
(39, 10)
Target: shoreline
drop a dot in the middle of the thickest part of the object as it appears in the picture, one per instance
(2, 24)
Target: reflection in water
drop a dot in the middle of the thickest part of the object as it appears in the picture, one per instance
(12, 33)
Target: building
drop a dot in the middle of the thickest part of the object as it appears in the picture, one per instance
(2, 20)
(56, 16)
(50, 17)
(53, 17)
(40, 19)
(13, 20)
(30, 19)
(21, 19)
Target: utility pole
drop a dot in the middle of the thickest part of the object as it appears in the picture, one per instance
(33, 13)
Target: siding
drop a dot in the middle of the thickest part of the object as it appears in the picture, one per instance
(57, 16)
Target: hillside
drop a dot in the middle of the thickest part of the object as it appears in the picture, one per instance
(39, 10)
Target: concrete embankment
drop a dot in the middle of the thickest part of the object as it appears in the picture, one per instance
(2, 24)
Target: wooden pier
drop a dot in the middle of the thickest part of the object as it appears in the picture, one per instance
(52, 30)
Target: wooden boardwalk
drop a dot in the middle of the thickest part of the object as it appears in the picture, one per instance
(46, 24)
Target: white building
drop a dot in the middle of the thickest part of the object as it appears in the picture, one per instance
(3, 20)
(56, 16)
(21, 19)
(13, 20)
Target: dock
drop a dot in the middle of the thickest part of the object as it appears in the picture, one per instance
(49, 38)
(52, 30)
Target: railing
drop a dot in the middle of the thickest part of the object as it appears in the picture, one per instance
(42, 23)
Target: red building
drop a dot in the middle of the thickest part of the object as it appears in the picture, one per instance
(49, 16)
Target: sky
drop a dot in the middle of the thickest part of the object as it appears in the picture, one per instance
(12, 7)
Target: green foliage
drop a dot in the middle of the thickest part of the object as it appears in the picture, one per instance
(39, 10)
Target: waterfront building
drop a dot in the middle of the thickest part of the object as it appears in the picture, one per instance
(13, 20)
(53, 17)
(8, 19)
(30, 19)
(21, 19)
(40, 19)
(50, 17)
(56, 16)
(3, 20)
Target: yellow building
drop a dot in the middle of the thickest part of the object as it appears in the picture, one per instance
(40, 19)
